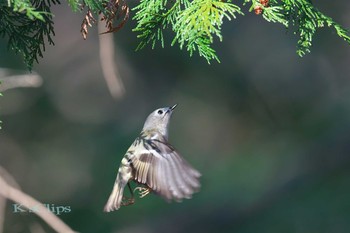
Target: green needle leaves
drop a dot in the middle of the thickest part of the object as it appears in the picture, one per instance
(27, 25)
(195, 24)
(301, 17)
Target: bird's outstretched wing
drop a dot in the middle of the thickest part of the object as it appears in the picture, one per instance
(161, 168)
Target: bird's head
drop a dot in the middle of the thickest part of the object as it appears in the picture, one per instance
(159, 120)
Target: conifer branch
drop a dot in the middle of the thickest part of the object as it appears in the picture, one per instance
(27, 25)
(300, 16)
(196, 24)
(111, 11)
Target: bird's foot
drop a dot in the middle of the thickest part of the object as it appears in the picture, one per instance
(143, 191)
(127, 201)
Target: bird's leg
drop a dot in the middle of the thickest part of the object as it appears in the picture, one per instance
(143, 191)
(128, 200)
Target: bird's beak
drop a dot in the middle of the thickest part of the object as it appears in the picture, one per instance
(170, 109)
(173, 107)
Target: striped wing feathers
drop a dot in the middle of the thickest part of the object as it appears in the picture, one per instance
(162, 169)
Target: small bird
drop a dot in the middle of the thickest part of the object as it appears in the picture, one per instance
(155, 165)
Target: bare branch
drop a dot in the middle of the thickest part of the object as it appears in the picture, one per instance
(2, 213)
(17, 196)
(9, 81)
(109, 67)
(9, 179)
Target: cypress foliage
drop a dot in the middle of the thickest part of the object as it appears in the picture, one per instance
(28, 25)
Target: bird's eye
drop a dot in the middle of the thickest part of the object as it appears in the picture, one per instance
(160, 112)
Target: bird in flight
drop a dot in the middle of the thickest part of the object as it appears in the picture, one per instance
(154, 164)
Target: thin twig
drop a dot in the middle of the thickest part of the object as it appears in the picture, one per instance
(27, 201)
(9, 81)
(36, 228)
(2, 213)
(9, 179)
(109, 67)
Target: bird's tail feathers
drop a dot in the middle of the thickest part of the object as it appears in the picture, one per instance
(116, 197)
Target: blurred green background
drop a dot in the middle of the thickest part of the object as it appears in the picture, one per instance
(268, 130)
